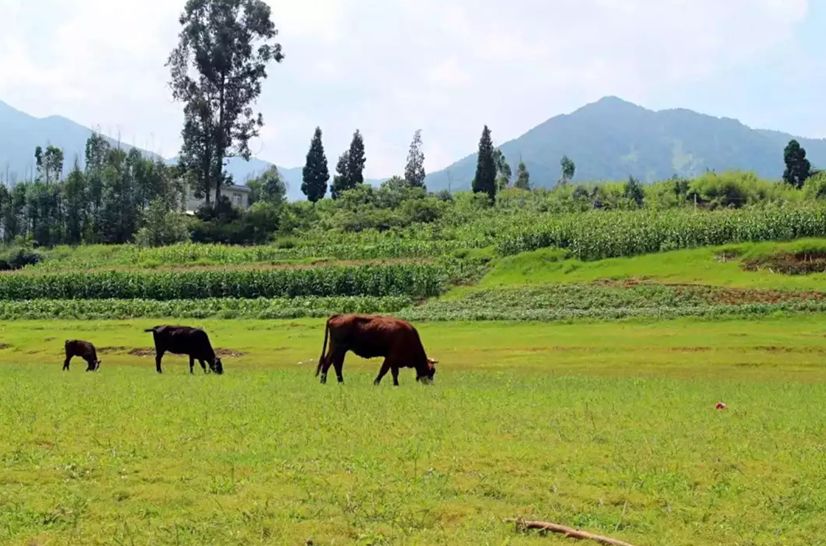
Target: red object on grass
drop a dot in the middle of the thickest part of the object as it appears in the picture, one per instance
(721, 406)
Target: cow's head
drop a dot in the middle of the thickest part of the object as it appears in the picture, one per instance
(430, 372)
(97, 365)
(217, 366)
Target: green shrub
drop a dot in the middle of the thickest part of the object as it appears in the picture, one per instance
(815, 187)
(18, 258)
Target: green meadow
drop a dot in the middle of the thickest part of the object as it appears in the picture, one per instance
(609, 426)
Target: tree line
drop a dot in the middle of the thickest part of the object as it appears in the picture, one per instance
(106, 201)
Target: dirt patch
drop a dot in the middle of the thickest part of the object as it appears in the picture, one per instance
(118, 349)
(4, 346)
(731, 296)
(799, 350)
(690, 349)
(790, 263)
(142, 352)
(229, 353)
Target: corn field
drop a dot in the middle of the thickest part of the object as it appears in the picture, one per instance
(597, 235)
(413, 280)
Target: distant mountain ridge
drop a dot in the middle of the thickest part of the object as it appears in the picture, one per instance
(613, 139)
(21, 133)
(610, 139)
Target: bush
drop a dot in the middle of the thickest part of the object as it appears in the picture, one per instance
(738, 189)
(815, 187)
(18, 258)
(163, 226)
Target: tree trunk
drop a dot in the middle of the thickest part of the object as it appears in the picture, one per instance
(222, 147)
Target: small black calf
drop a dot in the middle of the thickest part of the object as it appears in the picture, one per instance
(84, 350)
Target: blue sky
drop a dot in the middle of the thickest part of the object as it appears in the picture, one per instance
(389, 67)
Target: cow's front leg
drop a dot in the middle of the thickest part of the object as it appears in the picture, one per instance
(66, 363)
(385, 367)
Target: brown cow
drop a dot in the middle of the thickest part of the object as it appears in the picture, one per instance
(84, 350)
(370, 337)
(183, 340)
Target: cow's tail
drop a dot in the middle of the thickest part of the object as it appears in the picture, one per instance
(323, 348)
(150, 330)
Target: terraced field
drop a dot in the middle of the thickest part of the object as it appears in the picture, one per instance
(575, 385)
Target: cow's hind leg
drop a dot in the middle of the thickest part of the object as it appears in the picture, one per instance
(332, 357)
(191, 364)
(158, 357)
(385, 367)
(338, 362)
(395, 371)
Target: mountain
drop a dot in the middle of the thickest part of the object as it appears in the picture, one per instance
(608, 140)
(612, 139)
(21, 133)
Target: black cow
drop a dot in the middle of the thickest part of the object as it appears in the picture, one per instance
(370, 337)
(183, 340)
(84, 350)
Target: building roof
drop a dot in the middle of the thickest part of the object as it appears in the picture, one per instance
(238, 188)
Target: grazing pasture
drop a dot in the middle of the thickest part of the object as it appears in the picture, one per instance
(607, 426)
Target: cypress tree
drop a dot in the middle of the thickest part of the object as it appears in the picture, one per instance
(341, 181)
(357, 160)
(485, 179)
(414, 172)
(316, 174)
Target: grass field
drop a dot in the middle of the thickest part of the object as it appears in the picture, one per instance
(607, 426)
(696, 266)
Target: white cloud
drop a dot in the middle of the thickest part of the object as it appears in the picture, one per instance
(389, 67)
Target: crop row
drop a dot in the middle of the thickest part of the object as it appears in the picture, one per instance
(65, 258)
(415, 280)
(598, 301)
(228, 308)
(597, 235)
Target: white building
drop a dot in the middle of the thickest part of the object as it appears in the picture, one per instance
(239, 196)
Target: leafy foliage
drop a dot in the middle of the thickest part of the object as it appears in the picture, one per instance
(568, 170)
(216, 71)
(798, 168)
(523, 177)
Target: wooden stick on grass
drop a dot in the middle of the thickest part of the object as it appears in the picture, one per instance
(569, 532)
